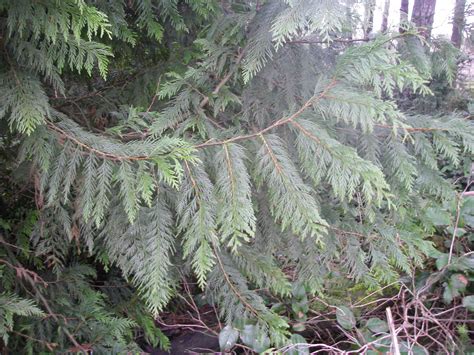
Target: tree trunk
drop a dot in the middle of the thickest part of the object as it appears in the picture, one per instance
(385, 16)
(369, 17)
(403, 14)
(458, 23)
(349, 20)
(423, 16)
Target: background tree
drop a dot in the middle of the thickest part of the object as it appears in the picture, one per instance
(458, 23)
(404, 5)
(369, 9)
(423, 15)
(386, 11)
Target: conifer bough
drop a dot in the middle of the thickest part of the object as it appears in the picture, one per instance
(261, 149)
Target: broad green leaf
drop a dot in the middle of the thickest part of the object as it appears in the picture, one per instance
(468, 206)
(368, 335)
(462, 264)
(442, 261)
(345, 317)
(438, 217)
(459, 231)
(448, 295)
(456, 285)
(248, 334)
(300, 310)
(278, 308)
(298, 327)
(469, 220)
(466, 263)
(299, 290)
(377, 325)
(468, 302)
(228, 337)
(239, 323)
(261, 342)
(255, 338)
(298, 349)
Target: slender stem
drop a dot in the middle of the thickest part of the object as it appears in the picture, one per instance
(458, 215)
(232, 286)
(49, 345)
(53, 315)
(87, 147)
(317, 41)
(154, 96)
(396, 346)
(224, 80)
(280, 122)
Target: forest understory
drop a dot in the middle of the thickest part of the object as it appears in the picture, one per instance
(236, 176)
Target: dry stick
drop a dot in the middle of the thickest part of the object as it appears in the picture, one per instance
(22, 272)
(458, 215)
(193, 305)
(426, 312)
(335, 350)
(453, 238)
(450, 319)
(358, 303)
(154, 96)
(416, 331)
(396, 350)
(185, 326)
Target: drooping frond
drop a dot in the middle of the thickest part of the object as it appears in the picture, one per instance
(136, 168)
(259, 149)
(197, 220)
(142, 250)
(23, 101)
(347, 173)
(291, 201)
(12, 305)
(231, 291)
(236, 217)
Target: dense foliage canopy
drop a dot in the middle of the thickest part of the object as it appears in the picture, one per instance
(263, 149)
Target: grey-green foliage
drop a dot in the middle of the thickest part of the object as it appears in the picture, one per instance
(297, 151)
(12, 305)
(148, 241)
(233, 188)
